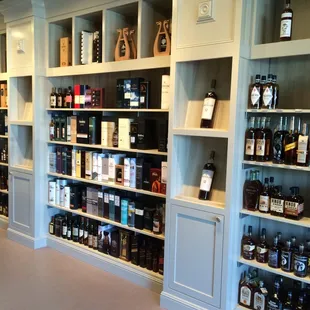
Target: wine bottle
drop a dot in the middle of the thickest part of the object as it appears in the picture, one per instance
(209, 106)
(207, 178)
(255, 100)
(249, 153)
(286, 22)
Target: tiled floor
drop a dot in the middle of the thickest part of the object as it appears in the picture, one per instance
(48, 280)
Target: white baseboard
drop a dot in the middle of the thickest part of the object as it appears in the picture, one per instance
(107, 263)
(30, 242)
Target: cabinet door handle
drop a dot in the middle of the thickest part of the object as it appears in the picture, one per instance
(218, 219)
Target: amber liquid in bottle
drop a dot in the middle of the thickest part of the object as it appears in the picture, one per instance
(262, 248)
(290, 143)
(260, 139)
(248, 249)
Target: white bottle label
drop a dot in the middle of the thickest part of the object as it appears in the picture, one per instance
(208, 108)
(245, 296)
(267, 97)
(264, 203)
(139, 212)
(53, 101)
(255, 95)
(64, 230)
(277, 205)
(286, 25)
(206, 180)
(302, 149)
(260, 147)
(261, 250)
(52, 131)
(259, 301)
(250, 146)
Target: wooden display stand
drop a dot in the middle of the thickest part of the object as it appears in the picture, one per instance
(162, 34)
(125, 42)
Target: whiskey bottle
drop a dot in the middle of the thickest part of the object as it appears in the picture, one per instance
(251, 192)
(281, 244)
(287, 257)
(274, 258)
(255, 99)
(264, 198)
(161, 261)
(286, 22)
(65, 228)
(209, 105)
(278, 142)
(262, 83)
(303, 147)
(95, 237)
(53, 98)
(301, 305)
(268, 131)
(248, 249)
(245, 293)
(85, 237)
(75, 230)
(274, 302)
(262, 249)
(81, 231)
(69, 98)
(260, 139)
(294, 205)
(290, 143)
(260, 297)
(301, 262)
(90, 236)
(115, 137)
(288, 305)
(157, 222)
(52, 226)
(275, 92)
(59, 98)
(69, 229)
(52, 129)
(268, 93)
(272, 189)
(250, 141)
(208, 173)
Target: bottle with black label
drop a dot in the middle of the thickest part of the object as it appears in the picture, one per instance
(260, 297)
(301, 262)
(208, 173)
(248, 248)
(288, 304)
(290, 143)
(262, 248)
(260, 140)
(142, 254)
(255, 99)
(277, 202)
(65, 228)
(278, 141)
(249, 149)
(69, 229)
(149, 255)
(268, 93)
(264, 198)
(274, 302)
(274, 258)
(286, 22)
(209, 106)
(286, 257)
(75, 230)
(52, 226)
(53, 98)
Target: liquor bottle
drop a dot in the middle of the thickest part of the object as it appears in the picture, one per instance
(81, 231)
(272, 188)
(249, 153)
(275, 92)
(264, 198)
(260, 297)
(260, 139)
(268, 93)
(274, 301)
(274, 258)
(69, 98)
(262, 83)
(149, 257)
(255, 99)
(277, 202)
(268, 131)
(286, 22)
(75, 230)
(207, 178)
(85, 237)
(161, 261)
(295, 248)
(90, 236)
(301, 305)
(142, 254)
(248, 249)
(287, 257)
(301, 262)
(290, 145)
(294, 205)
(278, 142)
(155, 259)
(59, 98)
(209, 105)
(52, 226)
(303, 147)
(115, 137)
(251, 192)
(65, 228)
(52, 129)
(288, 305)
(245, 293)
(95, 237)
(53, 98)
(262, 249)
(281, 244)
(69, 229)
(157, 222)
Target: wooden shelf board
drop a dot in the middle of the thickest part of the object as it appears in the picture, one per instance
(3, 108)
(238, 307)
(304, 222)
(21, 123)
(3, 76)
(110, 110)
(272, 165)
(111, 185)
(4, 137)
(107, 258)
(201, 132)
(4, 164)
(115, 66)
(277, 271)
(23, 168)
(4, 191)
(281, 49)
(101, 147)
(280, 111)
(193, 200)
(107, 221)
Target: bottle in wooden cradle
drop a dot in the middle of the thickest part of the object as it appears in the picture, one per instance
(303, 147)
(207, 177)
(274, 258)
(287, 257)
(288, 305)
(53, 98)
(276, 90)
(290, 144)
(249, 153)
(294, 205)
(268, 93)
(264, 198)
(262, 248)
(255, 98)
(274, 302)
(260, 140)
(279, 141)
(260, 297)
(209, 106)
(277, 202)
(301, 262)
(286, 22)
(52, 226)
(248, 248)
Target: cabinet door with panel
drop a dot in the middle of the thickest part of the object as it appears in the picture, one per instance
(21, 202)
(196, 246)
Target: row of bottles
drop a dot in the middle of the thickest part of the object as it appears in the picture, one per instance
(64, 98)
(269, 198)
(254, 294)
(289, 257)
(283, 147)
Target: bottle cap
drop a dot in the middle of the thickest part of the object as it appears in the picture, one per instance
(266, 180)
(257, 77)
(288, 243)
(294, 190)
(269, 76)
(264, 77)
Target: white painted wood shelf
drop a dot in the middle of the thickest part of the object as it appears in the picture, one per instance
(109, 110)
(281, 49)
(4, 137)
(4, 191)
(272, 165)
(304, 222)
(280, 111)
(277, 271)
(238, 307)
(21, 123)
(4, 164)
(115, 66)
(111, 185)
(107, 221)
(101, 147)
(198, 202)
(3, 76)
(3, 108)
(200, 132)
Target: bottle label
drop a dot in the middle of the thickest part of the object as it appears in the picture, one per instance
(85, 234)
(245, 296)
(51, 229)
(273, 259)
(248, 251)
(156, 226)
(52, 131)
(286, 260)
(264, 203)
(206, 180)
(81, 233)
(259, 301)
(260, 147)
(68, 234)
(208, 108)
(293, 208)
(302, 149)
(255, 95)
(267, 97)
(250, 146)
(53, 101)
(64, 230)
(75, 232)
(59, 101)
(273, 305)
(261, 250)
(277, 205)
(133, 139)
(302, 157)
(300, 264)
(286, 26)
(290, 146)
(139, 212)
